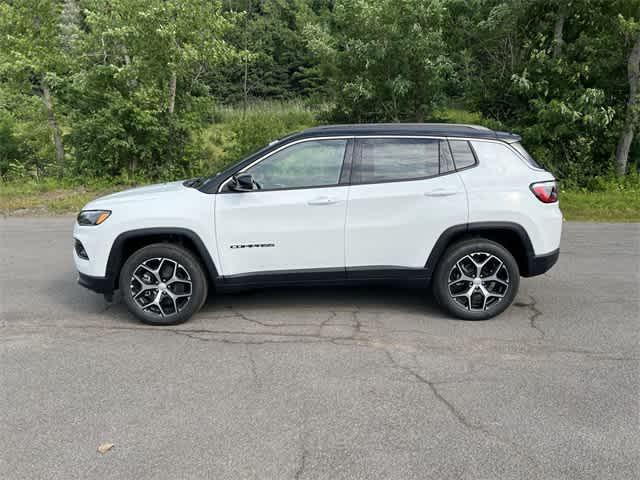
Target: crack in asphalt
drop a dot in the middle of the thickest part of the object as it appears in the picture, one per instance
(535, 313)
(326, 321)
(205, 334)
(357, 327)
(296, 338)
(106, 308)
(358, 336)
(457, 415)
(455, 412)
(236, 314)
(253, 366)
(302, 442)
(302, 464)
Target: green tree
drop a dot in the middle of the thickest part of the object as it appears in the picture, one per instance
(385, 59)
(276, 62)
(553, 70)
(629, 21)
(138, 98)
(32, 61)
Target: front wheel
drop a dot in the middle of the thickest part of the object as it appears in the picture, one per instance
(163, 284)
(476, 279)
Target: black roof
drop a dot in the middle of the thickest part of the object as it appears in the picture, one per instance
(429, 129)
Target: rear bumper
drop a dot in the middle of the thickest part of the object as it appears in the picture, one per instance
(96, 284)
(539, 264)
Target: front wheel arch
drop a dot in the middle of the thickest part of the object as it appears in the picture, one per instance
(130, 241)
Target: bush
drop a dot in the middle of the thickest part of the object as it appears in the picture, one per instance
(611, 183)
(236, 133)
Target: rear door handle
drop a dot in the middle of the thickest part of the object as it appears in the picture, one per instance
(441, 192)
(323, 201)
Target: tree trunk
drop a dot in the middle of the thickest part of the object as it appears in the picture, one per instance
(53, 124)
(558, 32)
(172, 92)
(626, 137)
(245, 89)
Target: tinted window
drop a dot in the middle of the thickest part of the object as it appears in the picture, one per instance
(446, 160)
(386, 159)
(305, 164)
(462, 153)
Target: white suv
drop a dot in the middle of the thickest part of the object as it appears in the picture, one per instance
(461, 207)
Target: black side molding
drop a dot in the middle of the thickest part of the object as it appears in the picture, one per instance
(387, 275)
(116, 255)
(311, 276)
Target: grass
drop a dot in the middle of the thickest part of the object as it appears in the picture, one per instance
(606, 206)
(50, 197)
(56, 198)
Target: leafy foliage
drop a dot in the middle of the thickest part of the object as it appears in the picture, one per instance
(565, 95)
(277, 62)
(387, 59)
(149, 88)
(124, 109)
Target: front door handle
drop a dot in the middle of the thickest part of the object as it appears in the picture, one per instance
(441, 192)
(323, 201)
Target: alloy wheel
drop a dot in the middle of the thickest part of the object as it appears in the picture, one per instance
(478, 281)
(161, 286)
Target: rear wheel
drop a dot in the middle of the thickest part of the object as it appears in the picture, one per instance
(163, 284)
(476, 279)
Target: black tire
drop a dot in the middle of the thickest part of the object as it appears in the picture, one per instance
(458, 266)
(179, 299)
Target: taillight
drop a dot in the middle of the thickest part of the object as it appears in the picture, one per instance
(546, 192)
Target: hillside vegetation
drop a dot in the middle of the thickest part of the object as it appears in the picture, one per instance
(110, 94)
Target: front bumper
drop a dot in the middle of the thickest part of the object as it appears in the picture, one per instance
(539, 264)
(96, 284)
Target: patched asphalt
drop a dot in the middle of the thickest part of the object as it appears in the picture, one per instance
(330, 383)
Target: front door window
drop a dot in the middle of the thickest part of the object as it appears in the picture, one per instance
(315, 163)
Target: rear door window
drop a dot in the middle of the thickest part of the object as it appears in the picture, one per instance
(394, 159)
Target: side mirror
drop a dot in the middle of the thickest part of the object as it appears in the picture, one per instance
(243, 182)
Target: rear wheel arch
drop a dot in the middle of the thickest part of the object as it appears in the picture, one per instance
(511, 236)
(129, 242)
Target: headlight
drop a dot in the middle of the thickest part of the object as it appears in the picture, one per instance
(93, 217)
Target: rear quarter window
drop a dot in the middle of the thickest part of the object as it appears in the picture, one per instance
(462, 154)
(498, 157)
(525, 155)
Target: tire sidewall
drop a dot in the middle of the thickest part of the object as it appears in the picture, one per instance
(177, 254)
(456, 252)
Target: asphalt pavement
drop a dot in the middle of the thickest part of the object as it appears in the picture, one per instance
(323, 383)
